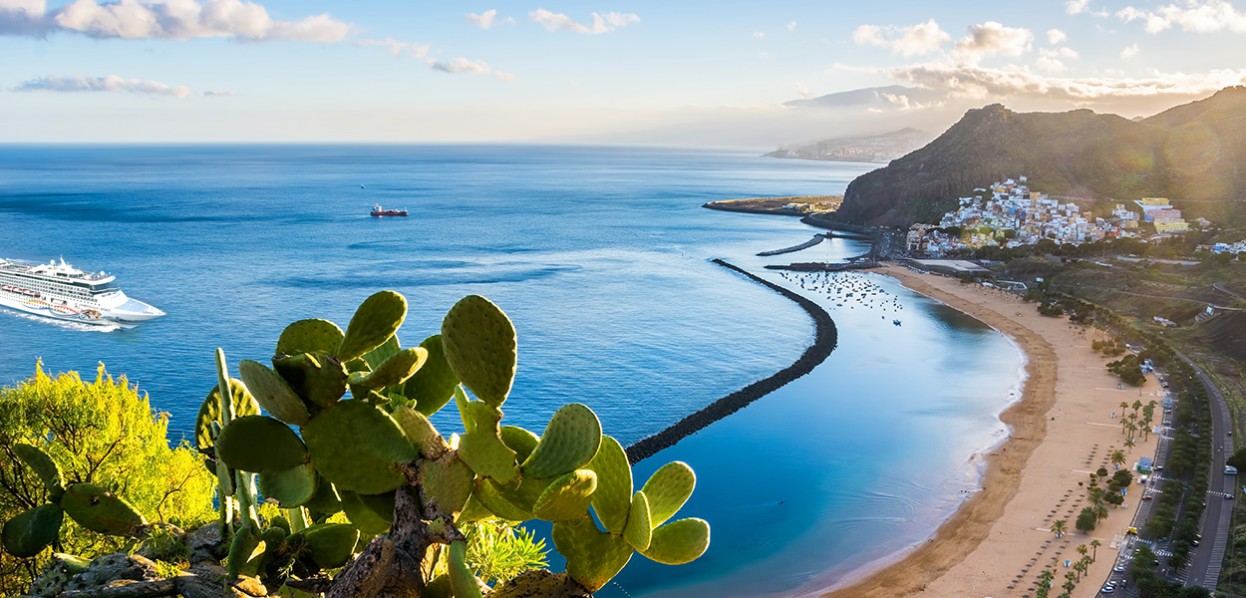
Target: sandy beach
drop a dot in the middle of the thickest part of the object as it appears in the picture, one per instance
(1064, 426)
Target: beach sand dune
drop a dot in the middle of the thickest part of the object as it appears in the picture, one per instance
(1065, 426)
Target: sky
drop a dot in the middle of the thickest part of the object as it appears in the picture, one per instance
(691, 73)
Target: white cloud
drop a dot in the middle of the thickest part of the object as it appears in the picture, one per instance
(993, 38)
(1130, 51)
(165, 19)
(1056, 36)
(488, 19)
(602, 23)
(974, 82)
(803, 91)
(1196, 16)
(110, 83)
(1052, 59)
(214, 93)
(791, 26)
(502, 76)
(397, 49)
(919, 39)
(460, 65)
(1074, 7)
(759, 35)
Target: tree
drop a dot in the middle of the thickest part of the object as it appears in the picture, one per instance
(103, 432)
(1094, 547)
(1087, 520)
(1129, 442)
(1082, 549)
(1118, 458)
(1059, 528)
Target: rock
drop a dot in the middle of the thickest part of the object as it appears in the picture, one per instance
(113, 567)
(540, 583)
(55, 577)
(206, 580)
(207, 543)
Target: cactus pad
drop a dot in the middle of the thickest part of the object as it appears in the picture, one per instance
(289, 487)
(461, 579)
(260, 444)
(329, 545)
(668, 489)
(210, 411)
(309, 336)
(480, 347)
(432, 385)
(593, 557)
(377, 356)
(373, 514)
(358, 448)
(32, 530)
(319, 378)
(326, 499)
(447, 483)
(272, 393)
(377, 319)
(567, 498)
(639, 531)
(43, 465)
(99, 510)
(679, 542)
(503, 504)
(481, 446)
(613, 498)
(420, 432)
(570, 441)
(520, 440)
(395, 370)
(473, 511)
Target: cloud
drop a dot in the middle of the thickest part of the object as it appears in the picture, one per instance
(974, 82)
(397, 49)
(1195, 16)
(213, 93)
(1074, 7)
(488, 19)
(923, 38)
(165, 19)
(502, 76)
(1056, 36)
(110, 83)
(759, 35)
(803, 91)
(460, 65)
(1130, 51)
(602, 23)
(993, 38)
(1052, 59)
(791, 25)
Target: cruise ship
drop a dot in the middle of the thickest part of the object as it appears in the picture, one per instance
(60, 291)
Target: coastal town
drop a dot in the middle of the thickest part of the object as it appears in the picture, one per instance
(1011, 214)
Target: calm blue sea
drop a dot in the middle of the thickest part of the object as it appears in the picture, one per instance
(600, 255)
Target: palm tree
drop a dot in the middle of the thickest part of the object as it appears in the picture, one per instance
(1059, 528)
(1094, 547)
(1124, 406)
(1118, 458)
(1080, 568)
(1082, 550)
(1137, 405)
(1070, 583)
(1129, 442)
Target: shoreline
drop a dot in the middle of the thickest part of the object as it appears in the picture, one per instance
(998, 539)
(969, 525)
(824, 342)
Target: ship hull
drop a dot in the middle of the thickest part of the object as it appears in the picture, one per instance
(41, 308)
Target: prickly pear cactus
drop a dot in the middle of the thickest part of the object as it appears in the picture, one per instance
(32, 530)
(376, 457)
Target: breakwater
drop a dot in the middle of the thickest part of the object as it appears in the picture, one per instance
(818, 238)
(824, 341)
(862, 263)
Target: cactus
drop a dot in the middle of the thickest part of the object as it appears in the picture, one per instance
(376, 320)
(273, 393)
(32, 530)
(613, 498)
(432, 386)
(260, 444)
(480, 346)
(570, 441)
(309, 336)
(394, 370)
(668, 489)
(639, 530)
(99, 510)
(47, 470)
(679, 542)
(292, 487)
(378, 451)
(358, 447)
(567, 498)
(319, 378)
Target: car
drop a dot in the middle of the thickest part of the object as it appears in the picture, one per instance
(1228, 496)
(1146, 496)
(1120, 569)
(1107, 590)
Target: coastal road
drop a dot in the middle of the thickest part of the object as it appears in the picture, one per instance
(1219, 286)
(1205, 561)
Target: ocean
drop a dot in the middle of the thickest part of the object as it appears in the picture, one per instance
(601, 257)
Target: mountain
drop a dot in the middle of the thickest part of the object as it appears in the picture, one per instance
(872, 148)
(1193, 152)
(889, 96)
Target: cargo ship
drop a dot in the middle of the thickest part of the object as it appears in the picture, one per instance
(378, 211)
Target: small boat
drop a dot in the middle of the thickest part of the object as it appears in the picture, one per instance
(896, 322)
(378, 211)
